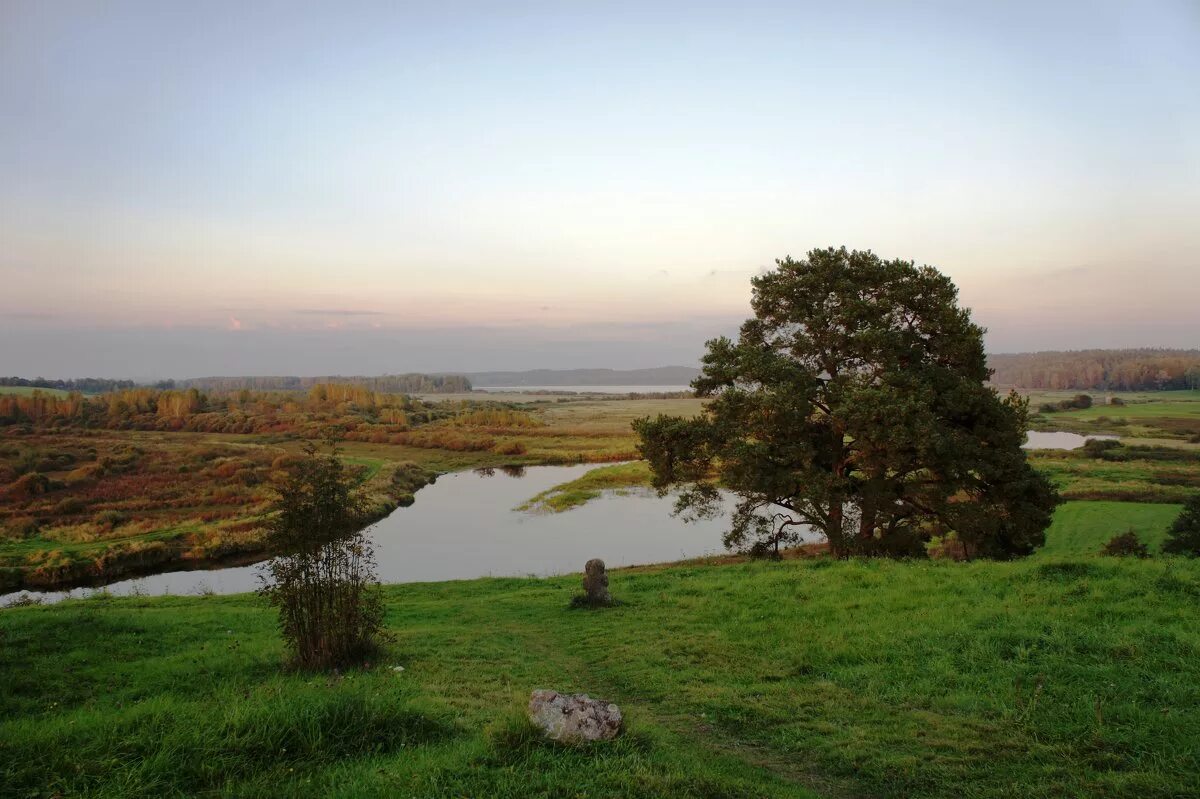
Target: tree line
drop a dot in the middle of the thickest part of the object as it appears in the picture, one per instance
(346, 411)
(86, 385)
(1099, 370)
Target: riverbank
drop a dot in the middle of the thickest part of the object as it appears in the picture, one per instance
(30, 565)
(1062, 675)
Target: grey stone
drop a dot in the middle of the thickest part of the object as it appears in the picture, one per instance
(574, 718)
(595, 582)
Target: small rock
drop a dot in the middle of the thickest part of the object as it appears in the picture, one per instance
(595, 582)
(574, 718)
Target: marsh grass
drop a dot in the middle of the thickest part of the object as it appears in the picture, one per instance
(589, 486)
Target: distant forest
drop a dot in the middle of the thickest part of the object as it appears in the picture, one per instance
(1099, 370)
(346, 412)
(388, 384)
(1078, 370)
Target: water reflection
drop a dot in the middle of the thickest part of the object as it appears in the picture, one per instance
(1036, 439)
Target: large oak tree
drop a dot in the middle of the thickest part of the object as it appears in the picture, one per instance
(855, 403)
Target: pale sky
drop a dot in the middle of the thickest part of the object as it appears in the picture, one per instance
(270, 188)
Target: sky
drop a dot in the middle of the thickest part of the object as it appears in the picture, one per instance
(280, 188)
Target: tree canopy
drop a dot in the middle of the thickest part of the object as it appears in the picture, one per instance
(1184, 536)
(855, 403)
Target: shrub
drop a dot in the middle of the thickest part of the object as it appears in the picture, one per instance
(1097, 447)
(20, 528)
(54, 461)
(28, 486)
(83, 473)
(1184, 536)
(1126, 544)
(947, 547)
(323, 582)
(24, 600)
(287, 461)
(109, 519)
(69, 506)
(1078, 402)
(409, 477)
(1116, 401)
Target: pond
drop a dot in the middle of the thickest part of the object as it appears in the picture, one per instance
(1036, 439)
(464, 526)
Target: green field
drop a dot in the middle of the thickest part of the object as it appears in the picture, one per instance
(1129, 473)
(1080, 529)
(1167, 415)
(1066, 674)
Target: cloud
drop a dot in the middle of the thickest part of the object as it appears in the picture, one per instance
(337, 312)
(30, 315)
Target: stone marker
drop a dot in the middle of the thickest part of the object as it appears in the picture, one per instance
(595, 582)
(574, 718)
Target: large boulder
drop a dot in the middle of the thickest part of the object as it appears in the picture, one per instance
(574, 718)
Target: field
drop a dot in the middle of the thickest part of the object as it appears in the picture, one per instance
(1064, 675)
(81, 505)
(1163, 416)
(1134, 473)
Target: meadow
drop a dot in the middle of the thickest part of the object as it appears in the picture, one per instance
(1158, 417)
(1066, 674)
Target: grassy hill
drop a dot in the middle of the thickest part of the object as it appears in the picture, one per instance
(1067, 674)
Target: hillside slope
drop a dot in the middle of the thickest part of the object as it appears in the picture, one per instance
(1049, 677)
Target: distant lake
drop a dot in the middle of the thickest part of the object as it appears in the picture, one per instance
(464, 526)
(586, 389)
(1036, 439)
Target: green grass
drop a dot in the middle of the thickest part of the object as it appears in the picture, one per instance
(1083, 528)
(1133, 474)
(1171, 415)
(589, 486)
(1067, 674)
